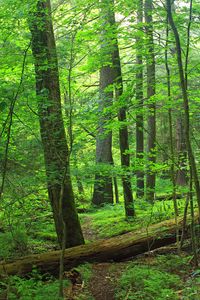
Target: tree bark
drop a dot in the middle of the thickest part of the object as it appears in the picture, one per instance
(52, 130)
(139, 101)
(123, 130)
(115, 248)
(103, 188)
(181, 176)
(151, 176)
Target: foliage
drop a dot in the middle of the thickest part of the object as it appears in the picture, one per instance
(109, 220)
(34, 288)
(24, 198)
(13, 243)
(173, 263)
(144, 282)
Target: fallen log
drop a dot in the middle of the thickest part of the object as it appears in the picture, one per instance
(116, 248)
(168, 197)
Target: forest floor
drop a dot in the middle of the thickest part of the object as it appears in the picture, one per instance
(159, 275)
(111, 281)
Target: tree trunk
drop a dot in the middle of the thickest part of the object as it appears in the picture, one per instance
(181, 176)
(123, 137)
(103, 189)
(139, 101)
(183, 85)
(115, 248)
(116, 190)
(52, 130)
(123, 130)
(151, 176)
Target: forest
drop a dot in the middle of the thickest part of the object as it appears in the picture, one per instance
(99, 149)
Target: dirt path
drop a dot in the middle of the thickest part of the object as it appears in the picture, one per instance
(88, 232)
(101, 284)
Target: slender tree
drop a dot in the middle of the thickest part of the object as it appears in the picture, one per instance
(123, 130)
(139, 100)
(172, 166)
(183, 84)
(52, 130)
(151, 82)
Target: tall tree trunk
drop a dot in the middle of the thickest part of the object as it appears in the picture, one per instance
(183, 85)
(123, 134)
(52, 130)
(172, 167)
(181, 176)
(103, 189)
(181, 149)
(151, 176)
(139, 100)
(123, 131)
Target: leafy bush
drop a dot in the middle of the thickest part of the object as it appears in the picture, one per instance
(143, 282)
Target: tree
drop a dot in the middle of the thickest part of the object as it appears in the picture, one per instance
(52, 130)
(183, 84)
(181, 176)
(139, 100)
(103, 188)
(151, 82)
(123, 130)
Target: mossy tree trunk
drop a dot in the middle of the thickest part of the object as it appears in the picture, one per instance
(115, 248)
(52, 130)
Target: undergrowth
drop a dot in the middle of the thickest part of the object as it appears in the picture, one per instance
(109, 220)
(144, 282)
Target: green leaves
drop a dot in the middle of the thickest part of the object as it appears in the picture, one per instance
(3, 106)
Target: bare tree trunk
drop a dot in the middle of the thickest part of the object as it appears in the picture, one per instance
(151, 176)
(52, 130)
(139, 100)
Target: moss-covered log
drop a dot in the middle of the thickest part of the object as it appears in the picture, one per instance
(167, 197)
(115, 248)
